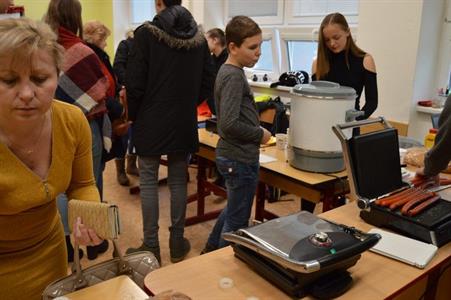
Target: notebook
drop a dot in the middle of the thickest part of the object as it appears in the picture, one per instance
(407, 250)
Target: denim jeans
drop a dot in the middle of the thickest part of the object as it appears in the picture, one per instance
(241, 182)
(97, 150)
(177, 177)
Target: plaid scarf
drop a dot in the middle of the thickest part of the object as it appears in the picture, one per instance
(82, 82)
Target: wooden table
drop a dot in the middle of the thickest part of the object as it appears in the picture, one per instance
(374, 276)
(314, 187)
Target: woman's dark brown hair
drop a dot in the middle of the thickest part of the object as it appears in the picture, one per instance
(322, 60)
(217, 33)
(65, 13)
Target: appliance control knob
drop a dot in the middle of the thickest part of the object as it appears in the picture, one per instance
(321, 237)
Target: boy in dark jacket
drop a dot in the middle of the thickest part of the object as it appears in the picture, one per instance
(168, 72)
(238, 149)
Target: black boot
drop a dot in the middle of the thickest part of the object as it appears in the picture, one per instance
(179, 248)
(70, 250)
(94, 251)
(120, 172)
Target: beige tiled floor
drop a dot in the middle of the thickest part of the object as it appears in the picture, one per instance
(131, 220)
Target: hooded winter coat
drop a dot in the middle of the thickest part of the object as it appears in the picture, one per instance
(169, 71)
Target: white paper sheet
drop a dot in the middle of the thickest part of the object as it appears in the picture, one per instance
(266, 158)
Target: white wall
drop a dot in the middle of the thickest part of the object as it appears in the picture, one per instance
(121, 21)
(444, 59)
(426, 72)
(389, 31)
(214, 14)
(404, 37)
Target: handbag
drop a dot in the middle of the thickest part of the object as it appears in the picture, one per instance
(135, 265)
(120, 125)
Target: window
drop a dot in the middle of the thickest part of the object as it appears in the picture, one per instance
(298, 48)
(265, 63)
(264, 12)
(313, 11)
(142, 10)
(301, 55)
(269, 62)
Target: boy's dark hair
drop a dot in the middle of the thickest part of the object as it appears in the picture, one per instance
(240, 28)
(217, 33)
(168, 3)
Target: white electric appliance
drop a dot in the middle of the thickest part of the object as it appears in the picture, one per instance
(315, 108)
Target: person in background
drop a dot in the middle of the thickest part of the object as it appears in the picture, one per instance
(168, 71)
(81, 83)
(45, 150)
(238, 149)
(217, 45)
(120, 67)
(439, 156)
(340, 60)
(95, 34)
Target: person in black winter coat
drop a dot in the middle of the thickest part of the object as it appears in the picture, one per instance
(168, 71)
(120, 67)
(121, 57)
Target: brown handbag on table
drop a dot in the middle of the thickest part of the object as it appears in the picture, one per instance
(136, 265)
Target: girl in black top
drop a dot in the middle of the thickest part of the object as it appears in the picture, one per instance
(340, 60)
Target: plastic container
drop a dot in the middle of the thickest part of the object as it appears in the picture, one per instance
(429, 139)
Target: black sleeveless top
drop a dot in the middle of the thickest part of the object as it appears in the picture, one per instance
(356, 76)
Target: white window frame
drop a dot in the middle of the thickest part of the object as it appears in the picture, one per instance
(300, 33)
(273, 75)
(263, 20)
(312, 19)
(295, 34)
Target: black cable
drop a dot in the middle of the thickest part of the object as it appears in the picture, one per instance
(341, 180)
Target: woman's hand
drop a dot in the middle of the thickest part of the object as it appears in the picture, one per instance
(122, 95)
(266, 136)
(85, 236)
(420, 172)
(420, 179)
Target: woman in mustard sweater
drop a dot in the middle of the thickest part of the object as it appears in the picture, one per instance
(45, 149)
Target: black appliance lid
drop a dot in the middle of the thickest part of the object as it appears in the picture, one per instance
(375, 163)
